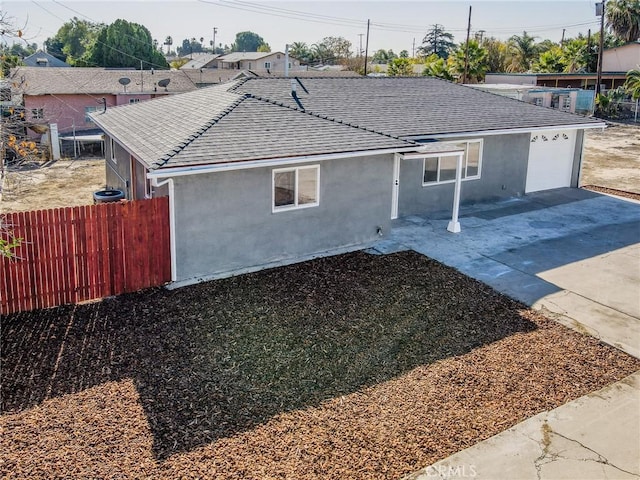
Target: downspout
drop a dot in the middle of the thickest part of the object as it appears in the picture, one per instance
(172, 222)
(286, 60)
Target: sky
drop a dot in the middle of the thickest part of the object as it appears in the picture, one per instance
(395, 25)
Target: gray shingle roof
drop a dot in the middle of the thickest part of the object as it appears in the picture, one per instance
(213, 125)
(60, 81)
(43, 59)
(257, 118)
(412, 106)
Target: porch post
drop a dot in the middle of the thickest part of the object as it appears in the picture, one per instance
(454, 224)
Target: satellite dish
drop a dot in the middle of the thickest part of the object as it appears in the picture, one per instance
(164, 82)
(124, 81)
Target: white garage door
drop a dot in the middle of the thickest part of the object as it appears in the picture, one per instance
(550, 160)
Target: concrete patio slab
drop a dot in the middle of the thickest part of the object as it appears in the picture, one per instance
(575, 256)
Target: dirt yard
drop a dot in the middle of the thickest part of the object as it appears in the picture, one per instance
(350, 367)
(612, 158)
(65, 183)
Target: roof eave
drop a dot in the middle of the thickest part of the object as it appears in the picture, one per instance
(248, 164)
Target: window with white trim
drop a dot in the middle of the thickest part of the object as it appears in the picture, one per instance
(442, 169)
(112, 150)
(134, 100)
(37, 114)
(267, 65)
(297, 187)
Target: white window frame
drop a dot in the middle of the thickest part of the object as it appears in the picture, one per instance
(37, 113)
(267, 65)
(295, 206)
(134, 100)
(112, 150)
(465, 177)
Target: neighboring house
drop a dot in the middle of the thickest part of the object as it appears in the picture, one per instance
(621, 59)
(265, 171)
(203, 60)
(203, 77)
(586, 81)
(574, 100)
(43, 59)
(66, 96)
(270, 62)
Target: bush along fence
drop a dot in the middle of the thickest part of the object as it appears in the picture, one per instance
(69, 255)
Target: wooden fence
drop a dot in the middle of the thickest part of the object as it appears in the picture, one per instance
(68, 255)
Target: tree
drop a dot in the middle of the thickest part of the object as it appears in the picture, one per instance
(575, 55)
(623, 17)
(403, 54)
(476, 61)
(301, 51)
(437, 40)
(523, 51)
(264, 48)
(338, 47)
(126, 45)
(383, 56)
(73, 41)
(551, 61)
(320, 53)
(435, 66)
(400, 67)
(189, 46)
(247, 42)
(632, 84)
(497, 54)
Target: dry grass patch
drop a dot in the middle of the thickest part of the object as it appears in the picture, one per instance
(355, 366)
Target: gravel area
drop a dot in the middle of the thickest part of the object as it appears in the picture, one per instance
(355, 366)
(613, 191)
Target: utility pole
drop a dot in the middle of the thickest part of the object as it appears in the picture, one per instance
(366, 51)
(360, 51)
(562, 40)
(215, 30)
(466, 50)
(413, 48)
(599, 76)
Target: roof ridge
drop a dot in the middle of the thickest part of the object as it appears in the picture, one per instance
(199, 132)
(326, 117)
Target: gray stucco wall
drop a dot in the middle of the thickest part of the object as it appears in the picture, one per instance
(119, 172)
(503, 175)
(224, 221)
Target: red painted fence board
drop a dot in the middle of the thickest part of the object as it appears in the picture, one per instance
(69, 255)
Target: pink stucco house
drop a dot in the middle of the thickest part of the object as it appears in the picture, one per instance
(66, 96)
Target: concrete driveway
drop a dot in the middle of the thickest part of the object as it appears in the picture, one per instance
(575, 255)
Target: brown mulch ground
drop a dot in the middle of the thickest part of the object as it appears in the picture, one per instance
(356, 366)
(613, 191)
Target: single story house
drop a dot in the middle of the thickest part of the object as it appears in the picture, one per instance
(574, 100)
(43, 59)
(586, 81)
(265, 171)
(66, 96)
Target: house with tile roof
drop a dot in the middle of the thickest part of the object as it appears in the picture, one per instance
(66, 96)
(266, 171)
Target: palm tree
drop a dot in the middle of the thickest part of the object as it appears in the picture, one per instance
(632, 85)
(434, 66)
(476, 62)
(551, 61)
(299, 50)
(523, 50)
(623, 17)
